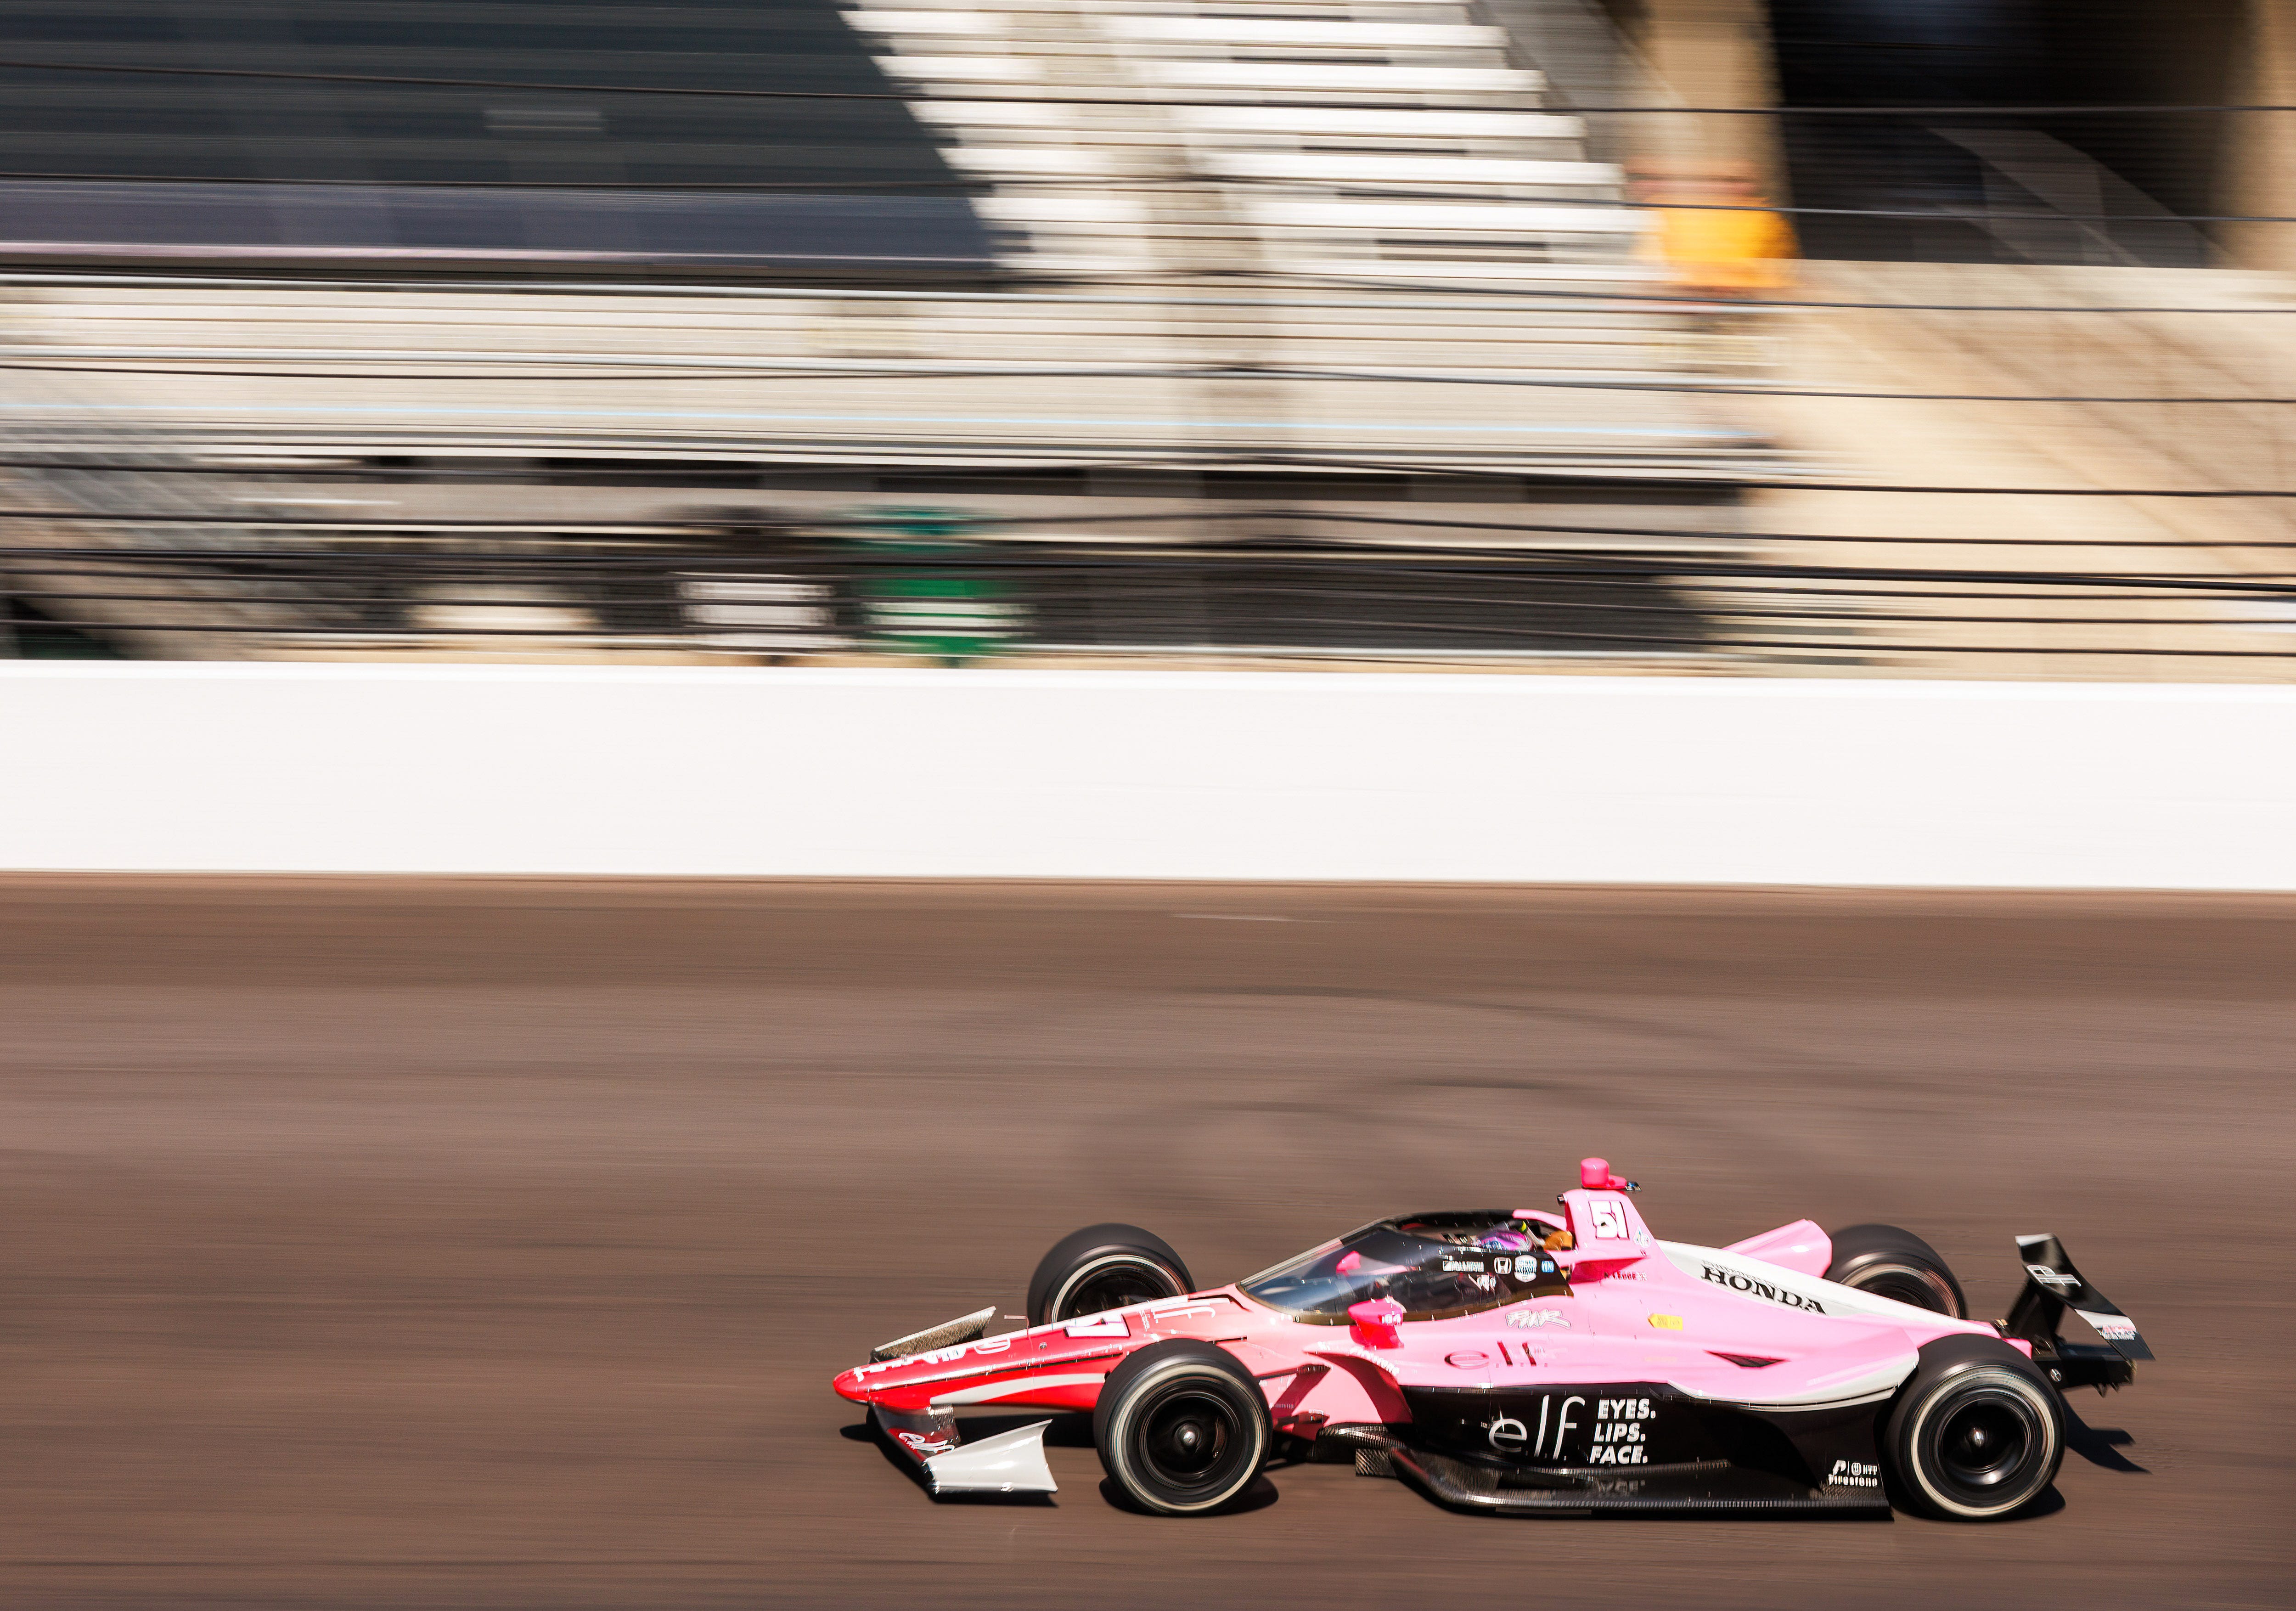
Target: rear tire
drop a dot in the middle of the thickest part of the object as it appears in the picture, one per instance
(1893, 1263)
(1977, 1434)
(1105, 1267)
(1182, 1428)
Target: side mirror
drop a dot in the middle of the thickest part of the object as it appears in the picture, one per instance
(1373, 1322)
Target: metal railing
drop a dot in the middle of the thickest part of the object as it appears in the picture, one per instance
(958, 594)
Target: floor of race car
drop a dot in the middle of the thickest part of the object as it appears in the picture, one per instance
(375, 1244)
(1708, 1488)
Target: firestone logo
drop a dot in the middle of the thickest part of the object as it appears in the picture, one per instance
(1736, 1282)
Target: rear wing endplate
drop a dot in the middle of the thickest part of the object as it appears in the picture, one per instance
(2052, 1286)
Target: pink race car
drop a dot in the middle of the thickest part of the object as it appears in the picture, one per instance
(1529, 1363)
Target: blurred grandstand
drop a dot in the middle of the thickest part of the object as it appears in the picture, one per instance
(400, 133)
(1254, 328)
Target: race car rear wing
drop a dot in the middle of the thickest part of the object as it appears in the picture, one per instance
(2052, 1286)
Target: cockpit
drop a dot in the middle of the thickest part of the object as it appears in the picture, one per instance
(1436, 1266)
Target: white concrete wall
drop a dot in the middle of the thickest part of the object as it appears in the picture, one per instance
(1143, 775)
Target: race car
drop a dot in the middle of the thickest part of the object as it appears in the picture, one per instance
(1527, 1363)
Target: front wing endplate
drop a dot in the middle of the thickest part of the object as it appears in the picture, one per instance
(1010, 1462)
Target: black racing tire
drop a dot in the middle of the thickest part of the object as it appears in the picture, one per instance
(1893, 1263)
(1182, 1428)
(1105, 1267)
(1977, 1432)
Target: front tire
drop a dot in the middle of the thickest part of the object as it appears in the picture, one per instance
(1977, 1434)
(1182, 1428)
(1105, 1267)
(1893, 1263)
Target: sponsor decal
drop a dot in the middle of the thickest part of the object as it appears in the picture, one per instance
(1562, 1423)
(939, 1356)
(1642, 1238)
(1617, 1434)
(1479, 1359)
(1504, 1267)
(1484, 1283)
(1666, 1322)
(1752, 1288)
(1109, 1325)
(2055, 1281)
(2117, 1327)
(1529, 1318)
(918, 1444)
(1854, 1474)
(1547, 1267)
(1470, 1266)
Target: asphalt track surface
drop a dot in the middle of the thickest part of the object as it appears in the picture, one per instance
(493, 1244)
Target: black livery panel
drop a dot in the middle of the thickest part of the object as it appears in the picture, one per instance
(1621, 1429)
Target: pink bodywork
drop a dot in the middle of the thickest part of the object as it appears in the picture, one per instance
(1754, 1323)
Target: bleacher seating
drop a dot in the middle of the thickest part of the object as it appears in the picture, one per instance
(399, 133)
(1213, 137)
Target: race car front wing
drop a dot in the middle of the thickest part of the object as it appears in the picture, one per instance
(1010, 1462)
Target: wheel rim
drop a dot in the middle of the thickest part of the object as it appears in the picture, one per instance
(1190, 1442)
(1983, 1443)
(1986, 1450)
(1187, 1436)
(1112, 1283)
(1906, 1284)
